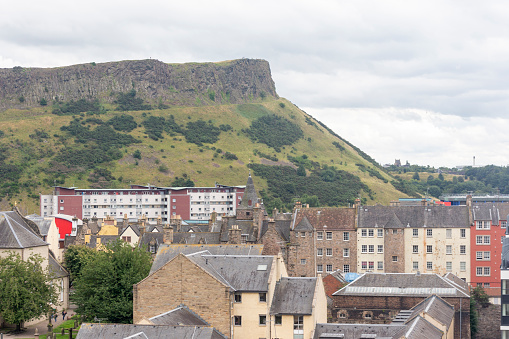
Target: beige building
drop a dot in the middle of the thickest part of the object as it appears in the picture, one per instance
(242, 296)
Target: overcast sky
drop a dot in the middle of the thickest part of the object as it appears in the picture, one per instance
(423, 81)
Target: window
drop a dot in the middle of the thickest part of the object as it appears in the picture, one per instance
(298, 325)
(262, 320)
(429, 249)
(319, 252)
(237, 320)
(329, 235)
(415, 249)
(319, 235)
(328, 252)
(371, 248)
(329, 268)
(380, 233)
(448, 266)
(415, 232)
(394, 258)
(415, 265)
(380, 265)
(486, 285)
(463, 266)
(126, 239)
(486, 239)
(346, 252)
(303, 234)
(364, 265)
(463, 249)
(478, 255)
(303, 261)
(278, 320)
(371, 265)
(319, 268)
(448, 249)
(429, 233)
(478, 225)
(478, 271)
(346, 268)
(503, 223)
(487, 271)
(364, 248)
(463, 233)
(152, 248)
(380, 248)
(364, 233)
(346, 236)
(238, 297)
(487, 255)
(429, 265)
(371, 233)
(448, 233)
(505, 287)
(394, 231)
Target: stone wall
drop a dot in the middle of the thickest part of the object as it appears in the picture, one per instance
(394, 241)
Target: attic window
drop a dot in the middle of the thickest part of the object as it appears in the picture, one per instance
(261, 268)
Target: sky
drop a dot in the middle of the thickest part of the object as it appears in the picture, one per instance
(421, 81)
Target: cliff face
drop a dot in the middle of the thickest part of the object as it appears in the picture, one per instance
(192, 84)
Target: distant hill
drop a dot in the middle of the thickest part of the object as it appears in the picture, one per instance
(117, 123)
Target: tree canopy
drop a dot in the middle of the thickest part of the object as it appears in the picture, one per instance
(104, 284)
(25, 289)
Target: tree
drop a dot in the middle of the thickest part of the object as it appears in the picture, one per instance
(416, 176)
(480, 296)
(26, 291)
(75, 258)
(104, 288)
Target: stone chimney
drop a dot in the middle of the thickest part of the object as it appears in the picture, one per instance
(469, 207)
(159, 221)
(125, 220)
(176, 222)
(142, 228)
(234, 236)
(357, 203)
(167, 234)
(275, 213)
(298, 206)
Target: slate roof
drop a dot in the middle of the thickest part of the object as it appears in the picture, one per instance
(403, 284)
(293, 296)
(249, 198)
(327, 218)
(15, 232)
(354, 331)
(303, 226)
(195, 228)
(437, 308)
(154, 228)
(42, 223)
(55, 269)
(166, 253)
(414, 216)
(146, 238)
(122, 331)
(181, 315)
(421, 328)
(247, 273)
(490, 211)
(196, 238)
(245, 226)
(282, 228)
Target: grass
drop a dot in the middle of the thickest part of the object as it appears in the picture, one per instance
(58, 330)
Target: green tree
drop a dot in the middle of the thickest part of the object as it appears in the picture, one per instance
(137, 154)
(473, 318)
(480, 296)
(416, 176)
(301, 171)
(441, 177)
(104, 288)
(75, 258)
(25, 289)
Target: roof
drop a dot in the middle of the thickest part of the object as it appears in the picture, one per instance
(166, 253)
(246, 227)
(15, 232)
(121, 331)
(42, 223)
(437, 308)
(195, 228)
(304, 225)
(403, 284)
(146, 238)
(327, 218)
(247, 273)
(355, 331)
(493, 212)
(293, 296)
(421, 328)
(282, 227)
(135, 229)
(181, 315)
(55, 269)
(249, 198)
(413, 216)
(196, 238)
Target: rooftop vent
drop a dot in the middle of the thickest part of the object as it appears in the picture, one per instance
(261, 268)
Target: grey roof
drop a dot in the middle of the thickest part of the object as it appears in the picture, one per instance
(246, 227)
(242, 273)
(493, 212)
(55, 269)
(154, 228)
(303, 225)
(195, 228)
(355, 331)
(146, 238)
(293, 296)
(196, 237)
(42, 223)
(282, 228)
(165, 253)
(421, 328)
(16, 232)
(249, 198)
(437, 308)
(122, 331)
(134, 227)
(414, 216)
(181, 315)
(407, 284)
(105, 239)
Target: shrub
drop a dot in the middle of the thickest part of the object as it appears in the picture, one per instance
(230, 156)
(43, 102)
(75, 107)
(137, 154)
(124, 123)
(129, 102)
(274, 131)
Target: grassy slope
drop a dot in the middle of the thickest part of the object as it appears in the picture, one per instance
(196, 162)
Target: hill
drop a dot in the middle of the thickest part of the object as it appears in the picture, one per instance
(113, 124)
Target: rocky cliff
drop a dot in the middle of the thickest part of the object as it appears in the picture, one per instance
(194, 84)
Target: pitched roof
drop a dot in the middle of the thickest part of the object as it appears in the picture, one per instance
(243, 273)
(303, 225)
(421, 328)
(146, 238)
(414, 216)
(354, 331)
(166, 253)
(123, 331)
(196, 238)
(436, 307)
(181, 315)
(327, 218)
(407, 284)
(55, 269)
(293, 296)
(15, 232)
(246, 227)
(134, 227)
(42, 223)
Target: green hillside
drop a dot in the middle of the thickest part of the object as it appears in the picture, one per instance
(137, 140)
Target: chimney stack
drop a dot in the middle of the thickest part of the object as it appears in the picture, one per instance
(167, 234)
(234, 236)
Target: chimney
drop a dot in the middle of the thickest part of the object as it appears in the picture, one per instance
(159, 221)
(274, 213)
(125, 220)
(357, 203)
(141, 227)
(298, 205)
(176, 222)
(469, 207)
(167, 234)
(234, 236)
